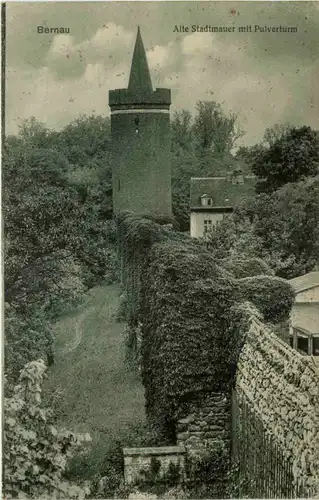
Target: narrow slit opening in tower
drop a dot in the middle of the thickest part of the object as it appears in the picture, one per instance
(136, 121)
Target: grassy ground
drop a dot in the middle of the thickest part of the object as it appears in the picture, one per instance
(92, 388)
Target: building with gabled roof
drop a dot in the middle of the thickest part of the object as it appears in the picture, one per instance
(305, 282)
(211, 198)
(304, 316)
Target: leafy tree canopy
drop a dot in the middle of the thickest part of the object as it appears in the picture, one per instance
(214, 129)
(281, 228)
(56, 202)
(290, 157)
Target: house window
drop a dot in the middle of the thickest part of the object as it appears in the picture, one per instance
(206, 200)
(207, 226)
(302, 344)
(315, 345)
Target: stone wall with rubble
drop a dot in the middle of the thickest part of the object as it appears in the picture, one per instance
(137, 460)
(206, 423)
(282, 388)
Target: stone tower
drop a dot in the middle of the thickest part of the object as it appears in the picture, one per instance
(141, 168)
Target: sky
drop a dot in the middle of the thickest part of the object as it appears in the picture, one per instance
(263, 77)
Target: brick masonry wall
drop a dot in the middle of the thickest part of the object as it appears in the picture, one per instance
(138, 459)
(282, 386)
(205, 424)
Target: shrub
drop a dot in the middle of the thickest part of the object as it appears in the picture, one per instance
(106, 470)
(273, 296)
(27, 337)
(52, 284)
(246, 267)
(209, 464)
(35, 452)
(153, 481)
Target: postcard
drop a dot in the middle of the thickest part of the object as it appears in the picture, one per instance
(160, 191)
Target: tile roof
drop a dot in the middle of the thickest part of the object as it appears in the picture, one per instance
(221, 189)
(140, 78)
(305, 282)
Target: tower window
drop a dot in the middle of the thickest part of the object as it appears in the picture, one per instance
(118, 185)
(136, 122)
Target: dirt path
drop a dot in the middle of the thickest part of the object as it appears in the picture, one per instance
(93, 388)
(78, 333)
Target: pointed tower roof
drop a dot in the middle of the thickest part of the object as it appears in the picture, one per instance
(140, 78)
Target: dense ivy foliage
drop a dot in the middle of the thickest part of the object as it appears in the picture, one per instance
(136, 235)
(186, 332)
(273, 296)
(244, 267)
(187, 307)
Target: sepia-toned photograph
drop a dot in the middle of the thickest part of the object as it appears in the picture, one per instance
(160, 210)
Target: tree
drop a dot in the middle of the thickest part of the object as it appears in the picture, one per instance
(33, 132)
(234, 238)
(35, 452)
(249, 154)
(287, 220)
(182, 135)
(184, 165)
(41, 212)
(56, 202)
(290, 157)
(276, 132)
(282, 228)
(215, 131)
(52, 283)
(87, 138)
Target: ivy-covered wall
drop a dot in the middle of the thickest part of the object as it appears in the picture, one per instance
(193, 317)
(282, 387)
(187, 308)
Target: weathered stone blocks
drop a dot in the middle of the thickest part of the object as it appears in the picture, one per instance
(282, 386)
(137, 460)
(207, 422)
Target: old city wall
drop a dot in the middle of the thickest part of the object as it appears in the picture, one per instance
(282, 388)
(201, 336)
(207, 423)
